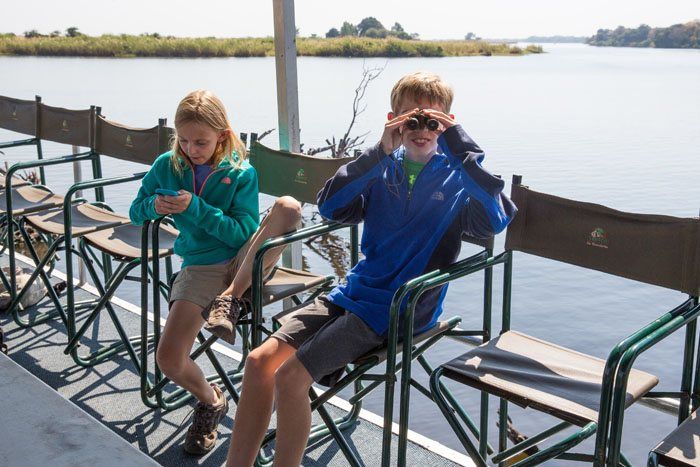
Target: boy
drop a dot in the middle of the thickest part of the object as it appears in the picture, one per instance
(417, 191)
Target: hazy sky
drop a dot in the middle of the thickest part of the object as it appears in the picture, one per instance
(440, 19)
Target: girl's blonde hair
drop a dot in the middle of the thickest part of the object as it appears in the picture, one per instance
(204, 107)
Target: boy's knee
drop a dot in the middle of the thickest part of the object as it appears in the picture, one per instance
(258, 365)
(289, 208)
(292, 379)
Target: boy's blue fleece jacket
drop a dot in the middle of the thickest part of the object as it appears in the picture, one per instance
(407, 233)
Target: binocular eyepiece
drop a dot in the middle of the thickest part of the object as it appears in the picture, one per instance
(420, 120)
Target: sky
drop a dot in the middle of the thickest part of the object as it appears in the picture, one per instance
(443, 19)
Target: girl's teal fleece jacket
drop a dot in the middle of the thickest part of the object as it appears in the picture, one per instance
(218, 221)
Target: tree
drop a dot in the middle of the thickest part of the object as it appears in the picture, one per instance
(32, 33)
(368, 23)
(397, 28)
(376, 33)
(73, 32)
(333, 32)
(348, 29)
(470, 36)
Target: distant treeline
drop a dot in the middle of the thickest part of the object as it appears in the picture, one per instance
(154, 45)
(678, 36)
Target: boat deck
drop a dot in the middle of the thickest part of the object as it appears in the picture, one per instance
(109, 392)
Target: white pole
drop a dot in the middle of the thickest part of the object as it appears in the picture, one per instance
(287, 95)
(78, 177)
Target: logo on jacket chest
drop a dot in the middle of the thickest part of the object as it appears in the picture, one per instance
(438, 196)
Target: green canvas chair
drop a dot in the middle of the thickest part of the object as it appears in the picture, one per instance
(578, 389)
(279, 173)
(55, 124)
(97, 226)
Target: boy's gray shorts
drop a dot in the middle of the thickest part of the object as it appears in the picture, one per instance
(327, 338)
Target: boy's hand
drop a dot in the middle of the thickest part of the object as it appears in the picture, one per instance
(391, 138)
(165, 205)
(446, 121)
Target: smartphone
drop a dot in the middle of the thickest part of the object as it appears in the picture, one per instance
(166, 192)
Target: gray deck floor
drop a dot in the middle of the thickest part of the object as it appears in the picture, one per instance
(109, 392)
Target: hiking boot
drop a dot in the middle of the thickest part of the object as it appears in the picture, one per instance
(202, 434)
(221, 316)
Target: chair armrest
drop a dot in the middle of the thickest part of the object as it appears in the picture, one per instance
(656, 335)
(257, 279)
(47, 162)
(21, 142)
(612, 367)
(100, 182)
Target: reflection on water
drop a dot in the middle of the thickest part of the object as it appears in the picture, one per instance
(605, 125)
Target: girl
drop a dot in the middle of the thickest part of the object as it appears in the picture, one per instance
(216, 212)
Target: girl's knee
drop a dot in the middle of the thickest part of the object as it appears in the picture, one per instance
(288, 208)
(170, 363)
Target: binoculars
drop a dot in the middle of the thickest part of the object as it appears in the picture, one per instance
(420, 120)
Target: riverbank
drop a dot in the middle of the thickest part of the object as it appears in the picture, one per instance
(156, 46)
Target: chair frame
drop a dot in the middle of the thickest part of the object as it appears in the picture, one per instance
(612, 399)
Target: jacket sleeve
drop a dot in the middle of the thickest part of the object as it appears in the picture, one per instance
(487, 211)
(343, 197)
(143, 206)
(240, 220)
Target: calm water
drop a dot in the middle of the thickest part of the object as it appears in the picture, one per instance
(614, 126)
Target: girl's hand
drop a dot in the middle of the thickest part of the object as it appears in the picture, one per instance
(391, 138)
(165, 205)
(445, 120)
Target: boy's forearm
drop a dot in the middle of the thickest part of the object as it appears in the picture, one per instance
(341, 199)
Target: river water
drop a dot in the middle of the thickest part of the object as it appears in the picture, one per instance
(607, 125)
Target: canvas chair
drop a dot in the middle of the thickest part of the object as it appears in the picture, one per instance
(279, 173)
(578, 389)
(95, 225)
(70, 127)
(400, 337)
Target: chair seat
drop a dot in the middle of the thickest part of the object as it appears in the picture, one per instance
(381, 352)
(286, 282)
(124, 241)
(85, 218)
(27, 199)
(682, 446)
(533, 373)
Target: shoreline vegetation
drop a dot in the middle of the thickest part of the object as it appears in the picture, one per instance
(154, 45)
(678, 36)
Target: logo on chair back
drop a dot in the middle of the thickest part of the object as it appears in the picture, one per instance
(64, 126)
(301, 177)
(13, 113)
(598, 238)
(128, 143)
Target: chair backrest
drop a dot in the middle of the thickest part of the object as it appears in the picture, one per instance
(655, 249)
(19, 115)
(141, 145)
(74, 127)
(285, 173)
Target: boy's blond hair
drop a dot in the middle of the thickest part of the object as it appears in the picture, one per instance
(204, 107)
(419, 86)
